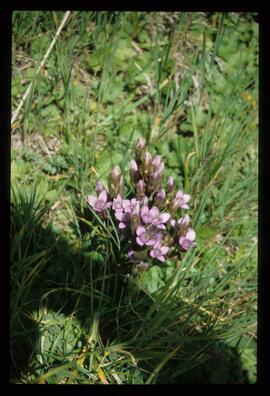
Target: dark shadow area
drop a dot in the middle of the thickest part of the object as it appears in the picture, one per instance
(57, 285)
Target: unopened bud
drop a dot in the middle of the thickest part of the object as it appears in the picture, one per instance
(121, 186)
(160, 197)
(134, 171)
(183, 224)
(140, 188)
(140, 148)
(156, 161)
(135, 221)
(153, 182)
(170, 184)
(115, 174)
(147, 164)
(143, 266)
(160, 169)
(140, 145)
(136, 257)
(116, 185)
(99, 187)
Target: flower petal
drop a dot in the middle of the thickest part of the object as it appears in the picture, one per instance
(161, 258)
(152, 253)
(156, 161)
(154, 212)
(184, 206)
(91, 200)
(119, 215)
(144, 210)
(158, 239)
(140, 230)
(139, 241)
(173, 222)
(181, 239)
(164, 249)
(108, 205)
(184, 220)
(121, 225)
(103, 196)
(161, 226)
(186, 197)
(179, 194)
(164, 217)
(151, 242)
(191, 234)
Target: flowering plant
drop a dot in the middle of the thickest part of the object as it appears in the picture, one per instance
(148, 220)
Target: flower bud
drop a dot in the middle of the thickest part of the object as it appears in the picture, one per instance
(160, 169)
(115, 174)
(140, 188)
(160, 197)
(147, 164)
(99, 187)
(156, 161)
(183, 224)
(140, 145)
(135, 219)
(170, 184)
(116, 185)
(134, 171)
(153, 182)
(143, 266)
(136, 257)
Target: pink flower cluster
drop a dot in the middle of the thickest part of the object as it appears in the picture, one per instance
(148, 219)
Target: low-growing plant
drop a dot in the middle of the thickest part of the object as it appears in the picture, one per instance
(148, 221)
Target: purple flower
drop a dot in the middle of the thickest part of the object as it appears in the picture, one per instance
(149, 215)
(160, 220)
(181, 200)
(100, 203)
(126, 204)
(123, 218)
(120, 205)
(147, 237)
(187, 241)
(159, 251)
(135, 206)
(181, 224)
(117, 203)
(161, 194)
(153, 216)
